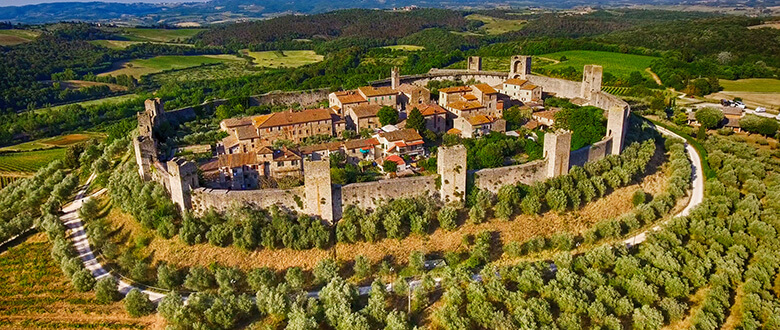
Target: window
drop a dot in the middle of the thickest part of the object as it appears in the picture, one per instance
(279, 164)
(295, 162)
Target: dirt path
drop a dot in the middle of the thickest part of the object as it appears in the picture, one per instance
(655, 76)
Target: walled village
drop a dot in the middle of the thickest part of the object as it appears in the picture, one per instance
(250, 156)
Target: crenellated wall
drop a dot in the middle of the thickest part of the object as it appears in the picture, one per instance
(221, 199)
(492, 179)
(366, 195)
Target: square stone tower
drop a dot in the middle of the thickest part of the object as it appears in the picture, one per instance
(395, 78)
(520, 67)
(591, 81)
(617, 126)
(474, 64)
(317, 188)
(145, 155)
(451, 163)
(557, 147)
(183, 178)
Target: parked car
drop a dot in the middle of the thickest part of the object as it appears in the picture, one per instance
(760, 109)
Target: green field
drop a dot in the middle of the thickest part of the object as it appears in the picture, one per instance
(112, 99)
(283, 58)
(496, 25)
(760, 85)
(122, 44)
(225, 70)
(140, 67)
(53, 142)
(29, 161)
(408, 48)
(618, 64)
(15, 36)
(159, 35)
(615, 90)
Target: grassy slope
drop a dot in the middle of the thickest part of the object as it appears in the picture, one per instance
(159, 35)
(29, 161)
(761, 85)
(409, 48)
(35, 294)
(112, 99)
(15, 37)
(140, 67)
(618, 64)
(497, 25)
(287, 58)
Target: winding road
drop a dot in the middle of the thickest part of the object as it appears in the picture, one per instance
(77, 233)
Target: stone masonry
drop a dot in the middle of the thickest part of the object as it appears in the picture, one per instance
(557, 147)
(474, 63)
(318, 194)
(451, 164)
(591, 81)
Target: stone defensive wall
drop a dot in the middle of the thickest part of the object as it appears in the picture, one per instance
(591, 153)
(492, 179)
(221, 199)
(304, 98)
(367, 195)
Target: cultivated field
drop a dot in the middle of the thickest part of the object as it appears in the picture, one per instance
(497, 25)
(408, 48)
(159, 35)
(15, 37)
(229, 69)
(122, 44)
(762, 85)
(140, 67)
(53, 142)
(618, 64)
(29, 161)
(283, 58)
(112, 99)
(34, 294)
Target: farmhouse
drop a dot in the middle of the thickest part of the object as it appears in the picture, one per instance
(522, 90)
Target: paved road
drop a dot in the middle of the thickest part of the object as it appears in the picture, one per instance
(697, 193)
(79, 237)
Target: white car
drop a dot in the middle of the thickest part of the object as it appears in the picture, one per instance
(760, 109)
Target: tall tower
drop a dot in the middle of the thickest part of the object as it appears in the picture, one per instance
(520, 67)
(617, 126)
(591, 81)
(395, 78)
(184, 177)
(145, 154)
(474, 64)
(557, 147)
(317, 188)
(451, 163)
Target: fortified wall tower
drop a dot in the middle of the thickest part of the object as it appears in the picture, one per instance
(557, 147)
(520, 67)
(617, 126)
(591, 81)
(395, 78)
(317, 188)
(183, 178)
(451, 163)
(474, 64)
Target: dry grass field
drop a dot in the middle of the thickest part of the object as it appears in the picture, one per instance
(140, 67)
(520, 229)
(34, 294)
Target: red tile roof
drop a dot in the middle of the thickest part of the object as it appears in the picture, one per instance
(362, 143)
(366, 110)
(407, 135)
(485, 89)
(237, 160)
(371, 91)
(349, 97)
(290, 117)
(456, 89)
(431, 109)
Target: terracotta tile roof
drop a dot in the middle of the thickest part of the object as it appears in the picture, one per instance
(371, 91)
(479, 120)
(453, 131)
(285, 155)
(531, 124)
(516, 82)
(431, 109)
(329, 146)
(396, 159)
(731, 111)
(230, 141)
(290, 117)
(349, 97)
(234, 122)
(409, 88)
(732, 122)
(237, 160)
(259, 120)
(528, 87)
(485, 89)
(470, 97)
(246, 132)
(549, 114)
(265, 151)
(456, 89)
(366, 110)
(465, 105)
(362, 143)
(209, 166)
(407, 135)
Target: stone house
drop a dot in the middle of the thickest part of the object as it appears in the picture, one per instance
(363, 116)
(410, 96)
(435, 117)
(464, 101)
(519, 89)
(286, 163)
(545, 118)
(405, 142)
(321, 151)
(359, 150)
(477, 125)
(240, 170)
(342, 101)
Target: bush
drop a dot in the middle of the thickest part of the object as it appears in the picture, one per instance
(448, 217)
(138, 304)
(638, 197)
(106, 290)
(417, 261)
(83, 280)
(325, 270)
(362, 267)
(199, 279)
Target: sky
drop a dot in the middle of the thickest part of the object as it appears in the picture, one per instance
(32, 2)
